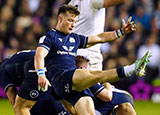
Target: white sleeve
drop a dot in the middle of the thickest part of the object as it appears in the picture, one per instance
(97, 4)
(71, 2)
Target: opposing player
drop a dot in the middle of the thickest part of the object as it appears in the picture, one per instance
(91, 22)
(105, 99)
(56, 51)
(12, 75)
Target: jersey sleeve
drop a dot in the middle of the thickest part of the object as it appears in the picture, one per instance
(96, 89)
(97, 4)
(46, 41)
(83, 41)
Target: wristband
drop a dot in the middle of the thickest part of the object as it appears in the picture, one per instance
(119, 33)
(41, 72)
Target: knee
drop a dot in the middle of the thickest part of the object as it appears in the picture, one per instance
(22, 107)
(126, 107)
(85, 106)
(16, 108)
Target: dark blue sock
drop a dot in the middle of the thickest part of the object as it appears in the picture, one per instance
(120, 72)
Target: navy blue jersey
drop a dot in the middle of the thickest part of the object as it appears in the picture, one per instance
(62, 48)
(119, 97)
(21, 56)
(14, 65)
(96, 89)
(12, 69)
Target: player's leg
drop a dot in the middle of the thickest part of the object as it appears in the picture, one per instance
(125, 109)
(11, 94)
(7, 84)
(83, 79)
(48, 105)
(28, 92)
(85, 106)
(23, 106)
(82, 101)
(69, 107)
(124, 102)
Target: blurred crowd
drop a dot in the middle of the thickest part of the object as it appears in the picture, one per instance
(22, 22)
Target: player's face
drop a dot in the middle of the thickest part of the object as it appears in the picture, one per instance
(84, 65)
(68, 22)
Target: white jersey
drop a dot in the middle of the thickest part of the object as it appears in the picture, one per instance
(91, 22)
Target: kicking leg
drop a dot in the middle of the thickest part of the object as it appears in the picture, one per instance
(83, 79)
(23, 106)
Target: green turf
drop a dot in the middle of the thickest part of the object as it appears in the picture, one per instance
(147, 108)
(5, 107)
(142, 108)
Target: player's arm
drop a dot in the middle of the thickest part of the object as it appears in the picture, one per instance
(112, 35)
(109, 3)
(41, 53)
(11, 94)
(106, 94)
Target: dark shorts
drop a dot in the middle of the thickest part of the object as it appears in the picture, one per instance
(63, 87)
(117, 99)
(47, 105)
(29, 86)
(61, 82)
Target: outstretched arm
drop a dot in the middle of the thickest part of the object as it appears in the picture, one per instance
(109, 3)
(112, 35)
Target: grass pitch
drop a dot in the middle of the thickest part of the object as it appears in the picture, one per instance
(6, 107)
(142, 108)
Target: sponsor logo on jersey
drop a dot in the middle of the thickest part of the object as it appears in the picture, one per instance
(65, 48)
(71, 48)
(68, 51)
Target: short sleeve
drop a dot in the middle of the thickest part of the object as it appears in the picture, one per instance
(96, 89)
(46, 41)
(83, 41)
(97, 4)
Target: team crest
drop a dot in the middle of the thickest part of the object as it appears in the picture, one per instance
(34, 94)
(72, 40)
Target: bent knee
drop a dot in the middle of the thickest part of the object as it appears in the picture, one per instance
(127, 107)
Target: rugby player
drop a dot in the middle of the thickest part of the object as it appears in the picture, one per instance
(54, 61)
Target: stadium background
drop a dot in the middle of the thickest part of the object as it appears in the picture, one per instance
(22, 22)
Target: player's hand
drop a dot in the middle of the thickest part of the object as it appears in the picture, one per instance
(129, 26)
(43, 83)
